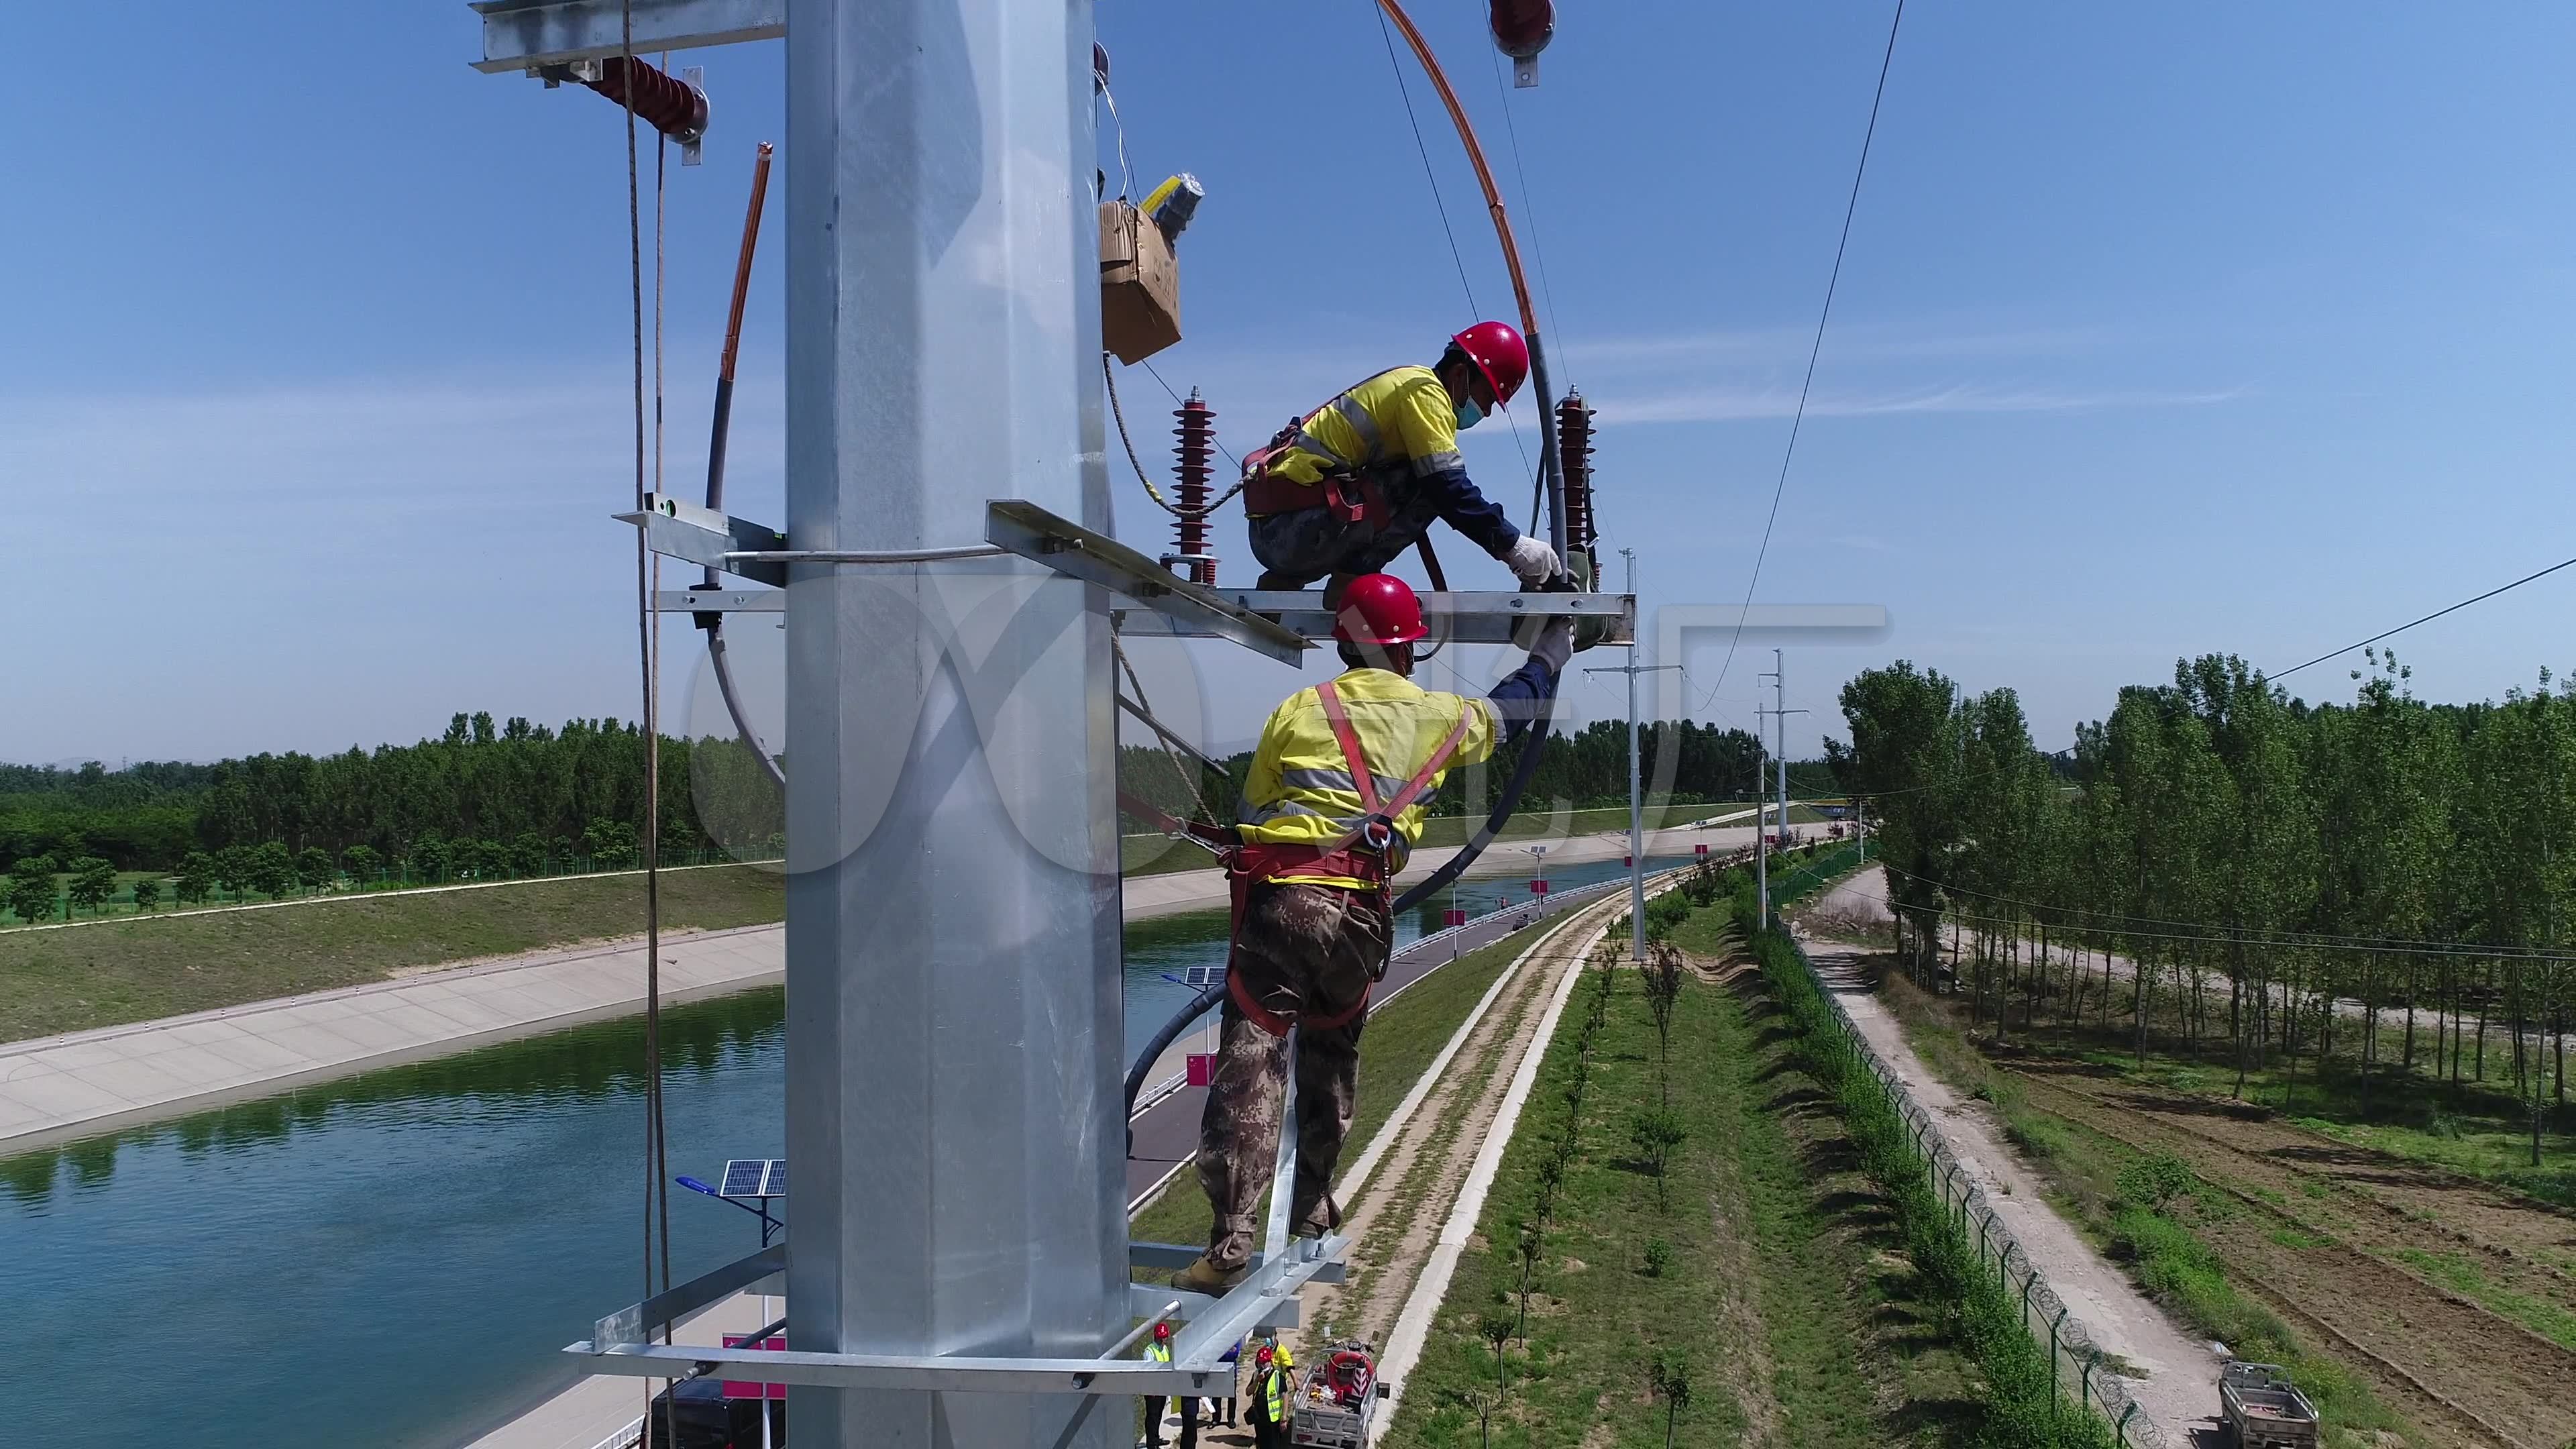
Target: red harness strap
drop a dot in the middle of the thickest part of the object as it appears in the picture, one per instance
(1360, 854)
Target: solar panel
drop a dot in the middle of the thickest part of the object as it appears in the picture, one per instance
(742, 1177)
(774, 1184)
(1203, 977)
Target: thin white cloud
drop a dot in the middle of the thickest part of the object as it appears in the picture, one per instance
(1866, 344)
(1726, 402)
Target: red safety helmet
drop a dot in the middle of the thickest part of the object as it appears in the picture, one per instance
(1499, 353)
(1379, 609)
(1162, 1330)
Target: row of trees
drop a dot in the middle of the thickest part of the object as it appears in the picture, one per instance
(502, 785)
(2380, 883)
(40, 888)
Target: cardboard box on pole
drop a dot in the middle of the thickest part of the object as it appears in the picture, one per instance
(1140, 285)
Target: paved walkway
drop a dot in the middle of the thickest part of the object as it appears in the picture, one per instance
(82, 1083)
(2173, 1374)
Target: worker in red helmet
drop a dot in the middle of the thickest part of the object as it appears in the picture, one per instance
(1331, 808)
(1160, 1351)
(1345, 489)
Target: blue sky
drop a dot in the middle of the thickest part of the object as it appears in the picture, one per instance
(2163, 330)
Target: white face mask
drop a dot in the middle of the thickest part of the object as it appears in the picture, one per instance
(1469, 415)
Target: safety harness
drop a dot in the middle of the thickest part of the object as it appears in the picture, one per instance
(1360, 854)
(1353, 496)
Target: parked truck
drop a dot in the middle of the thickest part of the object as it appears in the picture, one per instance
(2260, 1408)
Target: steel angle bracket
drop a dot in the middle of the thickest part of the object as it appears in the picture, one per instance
(677, 528)
(528, 34)
(630, 1326)
(932, 1373)
(1455, 616)
(720, 601)
(1077, 552)
(1267, 1285)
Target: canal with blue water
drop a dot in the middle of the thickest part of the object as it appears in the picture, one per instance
(394, 1258)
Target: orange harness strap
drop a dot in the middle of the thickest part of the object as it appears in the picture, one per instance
(1360, 854)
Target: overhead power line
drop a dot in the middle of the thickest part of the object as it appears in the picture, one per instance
(2428, 618)
(1798, 418)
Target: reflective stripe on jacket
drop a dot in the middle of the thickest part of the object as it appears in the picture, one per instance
(1400, 420)
(1300, 790)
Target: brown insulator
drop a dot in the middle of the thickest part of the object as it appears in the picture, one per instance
(663, 101)
(1522, 28)
(1574, 460)
(1197, 446)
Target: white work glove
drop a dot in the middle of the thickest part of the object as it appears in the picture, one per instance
(1555, 643)
(1532, 561)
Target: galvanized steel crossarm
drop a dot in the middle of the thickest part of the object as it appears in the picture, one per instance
(1464, 616)
(526, 34)
(1078, 552)
(928, 1373)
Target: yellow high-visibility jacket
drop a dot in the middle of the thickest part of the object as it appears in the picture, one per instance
(1400, 418)
(1300, 791)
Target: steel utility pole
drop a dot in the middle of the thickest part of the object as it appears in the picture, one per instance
(953, 976)
(1636, 800)
(1761, 844)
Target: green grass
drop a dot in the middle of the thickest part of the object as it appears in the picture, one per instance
(1396, 1047)
(1779, 1278)
(2022, 1398)
(2476, 1131)
(2173, 1264)
(2458, 1273)
(137, 970)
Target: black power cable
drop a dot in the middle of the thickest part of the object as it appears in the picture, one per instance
(1799, 418)
(2427, 619)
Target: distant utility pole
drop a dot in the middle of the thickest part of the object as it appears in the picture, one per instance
(1636, 801)
(1761, 846)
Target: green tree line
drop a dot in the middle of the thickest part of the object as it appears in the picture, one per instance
(516, 788)
(2382, 882)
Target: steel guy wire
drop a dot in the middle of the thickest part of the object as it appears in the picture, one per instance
(1833, 280)
(1430, 177)
(1424, 152)
(2428, 618)
(1529, 209)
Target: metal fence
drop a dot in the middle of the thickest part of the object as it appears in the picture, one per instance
(2074, 1354)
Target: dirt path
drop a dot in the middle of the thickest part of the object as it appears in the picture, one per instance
(2448, 1358)
(2173, 1376)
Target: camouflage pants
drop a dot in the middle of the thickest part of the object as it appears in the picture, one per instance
(1300, 949)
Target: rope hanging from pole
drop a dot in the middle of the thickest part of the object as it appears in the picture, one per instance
(657, 1219)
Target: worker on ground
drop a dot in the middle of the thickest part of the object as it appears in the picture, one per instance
(1333, 804)
(1160, 1351)
(1345, 489)
(1274, 1399)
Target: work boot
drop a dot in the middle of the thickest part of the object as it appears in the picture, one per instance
(1272, 581)
(1203, 1276)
